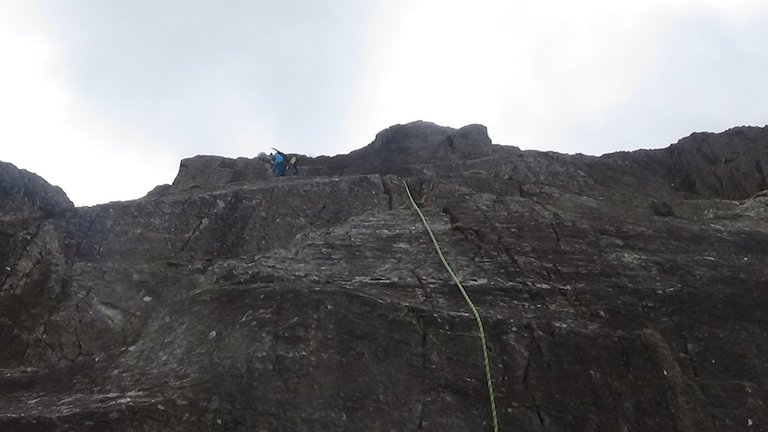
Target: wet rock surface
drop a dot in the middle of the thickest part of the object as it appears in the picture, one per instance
(625, 292)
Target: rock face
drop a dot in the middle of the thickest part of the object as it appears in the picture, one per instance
(619, 293)
(731, 165)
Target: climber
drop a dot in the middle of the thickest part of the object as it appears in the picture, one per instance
(278, 164)
(281, 163)
(290, 163)
(291, 168)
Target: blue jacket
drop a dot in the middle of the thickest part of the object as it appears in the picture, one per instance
(278, 168)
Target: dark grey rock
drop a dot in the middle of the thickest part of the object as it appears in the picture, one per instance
(662, 208)
(206, 171)
(731, 165)
(232, 300)
(26, 195)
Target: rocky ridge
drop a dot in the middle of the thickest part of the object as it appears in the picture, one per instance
(622, 292)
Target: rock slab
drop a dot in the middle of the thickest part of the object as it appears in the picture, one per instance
(619, 293)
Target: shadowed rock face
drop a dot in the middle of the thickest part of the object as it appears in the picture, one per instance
(731, 165)
(626, 292)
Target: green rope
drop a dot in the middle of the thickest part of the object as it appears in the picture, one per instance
(456, 280)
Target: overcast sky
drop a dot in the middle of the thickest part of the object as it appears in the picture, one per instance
(104, 98)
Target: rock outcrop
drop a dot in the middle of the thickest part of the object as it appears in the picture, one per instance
(623, 292)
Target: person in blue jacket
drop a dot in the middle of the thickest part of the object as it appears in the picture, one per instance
(278, 164)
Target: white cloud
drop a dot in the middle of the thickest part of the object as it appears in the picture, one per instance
(104, 98)
(553, 74)
(47, 130)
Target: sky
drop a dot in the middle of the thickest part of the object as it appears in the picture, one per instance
(105, 97)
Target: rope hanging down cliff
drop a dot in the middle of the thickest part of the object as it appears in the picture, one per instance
(456, 280)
